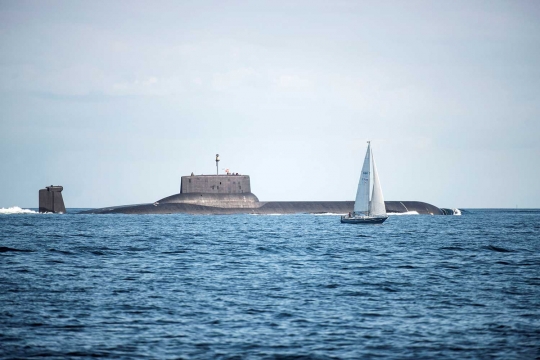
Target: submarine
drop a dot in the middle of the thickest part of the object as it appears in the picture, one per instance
(230, 193)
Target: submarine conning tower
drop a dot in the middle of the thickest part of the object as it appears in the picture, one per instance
(51, 201)
(222, 191)
(215, 184)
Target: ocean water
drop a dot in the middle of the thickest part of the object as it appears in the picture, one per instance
(270, 287)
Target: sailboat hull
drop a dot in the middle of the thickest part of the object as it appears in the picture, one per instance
(363, 220)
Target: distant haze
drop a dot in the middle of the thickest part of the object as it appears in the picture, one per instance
(115, 100)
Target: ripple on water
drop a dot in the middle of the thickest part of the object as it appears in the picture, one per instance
(497, 248)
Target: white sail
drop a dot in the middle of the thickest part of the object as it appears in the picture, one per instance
(361, 205)
(377, 206)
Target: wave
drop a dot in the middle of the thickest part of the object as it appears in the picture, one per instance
(17, 210)
(6, 249)
(404, 213)
(497, 249)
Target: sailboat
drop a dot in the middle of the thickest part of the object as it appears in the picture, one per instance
(366, 211)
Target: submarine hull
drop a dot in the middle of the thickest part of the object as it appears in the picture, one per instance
(267, 208)
(231, 194)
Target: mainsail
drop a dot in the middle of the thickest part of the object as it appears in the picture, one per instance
(377, 206)
(361, 205)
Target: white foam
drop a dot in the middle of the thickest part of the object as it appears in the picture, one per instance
(328, 214)
(266, 214)
(16, 210)
(300, 214)
(457, 212)
(404, 213)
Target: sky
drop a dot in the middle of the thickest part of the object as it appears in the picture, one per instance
(116, 100)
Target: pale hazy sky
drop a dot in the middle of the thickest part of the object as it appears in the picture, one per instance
(115, 100)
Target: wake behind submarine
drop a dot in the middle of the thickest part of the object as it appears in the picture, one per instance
(230, 193)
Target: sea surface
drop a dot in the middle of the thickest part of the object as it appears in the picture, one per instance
(270, 287)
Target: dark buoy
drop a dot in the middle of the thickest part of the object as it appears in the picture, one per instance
(50, 200)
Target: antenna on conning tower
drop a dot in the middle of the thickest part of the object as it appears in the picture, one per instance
(217, 162)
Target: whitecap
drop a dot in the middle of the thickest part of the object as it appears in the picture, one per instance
(16, 210)
(405, 213)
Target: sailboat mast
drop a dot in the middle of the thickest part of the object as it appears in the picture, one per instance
(370, 188)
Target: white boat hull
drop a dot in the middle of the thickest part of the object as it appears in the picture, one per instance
(363, 219)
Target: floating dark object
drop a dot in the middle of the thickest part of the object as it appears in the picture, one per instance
(51, 201)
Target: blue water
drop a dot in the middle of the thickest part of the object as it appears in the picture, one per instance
(270, 287)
